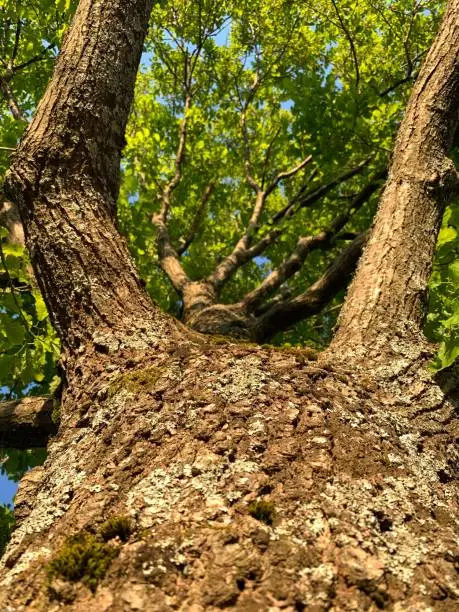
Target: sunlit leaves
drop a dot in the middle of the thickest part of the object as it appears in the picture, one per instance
(443, 320)
(293, 70)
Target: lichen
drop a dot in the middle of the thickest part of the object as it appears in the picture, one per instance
(116, 527)
(83, 558)
(263, 511)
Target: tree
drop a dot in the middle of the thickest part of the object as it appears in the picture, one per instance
(191, 472)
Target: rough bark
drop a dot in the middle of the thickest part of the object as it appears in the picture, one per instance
(358, 476)
(234, 476)
(66, 175)
(387, 300)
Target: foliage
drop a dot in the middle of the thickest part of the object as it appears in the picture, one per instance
(6, 526)
(15, 463)
(443, 319)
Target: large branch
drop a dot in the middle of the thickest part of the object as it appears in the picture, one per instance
(65, 176)
(285, 314)
(387, 300)
(306, 244)
(26, 423)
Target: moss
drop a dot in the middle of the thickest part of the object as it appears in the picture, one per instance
(83, 558)
(263, 511)
(116, 527)
(56, 413)
(301, 353)
(143, 379)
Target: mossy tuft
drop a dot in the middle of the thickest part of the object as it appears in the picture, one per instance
(137, 380)
(263, 511)
(56, 413)
(116, 527)
(83, 558)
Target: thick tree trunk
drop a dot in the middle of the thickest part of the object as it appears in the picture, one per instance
(230, 475)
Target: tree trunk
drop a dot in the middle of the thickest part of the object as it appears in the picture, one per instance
(193, 475)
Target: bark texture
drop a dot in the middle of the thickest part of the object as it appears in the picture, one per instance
(254, 479)
(66, 175)
(232, 475)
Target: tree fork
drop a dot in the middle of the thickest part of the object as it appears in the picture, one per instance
(246, 477)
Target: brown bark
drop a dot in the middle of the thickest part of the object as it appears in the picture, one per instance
(26, 423)
(387, 300)
(66, 175)
(251, 478)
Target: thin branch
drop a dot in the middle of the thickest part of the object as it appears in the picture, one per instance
(287, 174)
(409, 76)
(351, 44)
(185, 242)
(17, 36)
(267, 156)
(33, 60)
(179, 160)
(303, 200)
(306, 244)
(168, 257)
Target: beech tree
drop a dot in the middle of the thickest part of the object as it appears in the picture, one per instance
(196, 472)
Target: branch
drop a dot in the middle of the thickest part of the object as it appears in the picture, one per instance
(240, 257)
(26, 423)
(302, 200)
(13, 105)
(17, 36)
(351, 44)
(410, 75)
(35, 59)
(179, 159)
(285, 314)
(288, 174)
(168, 257)
(306, 244)
(185, 242)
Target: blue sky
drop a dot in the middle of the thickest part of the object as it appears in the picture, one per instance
(7, 490)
